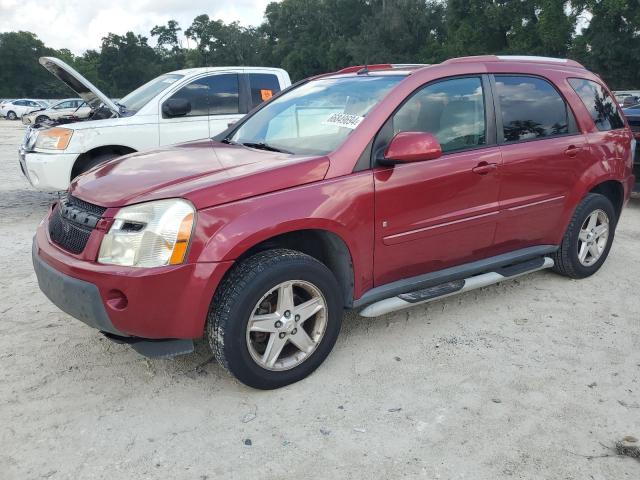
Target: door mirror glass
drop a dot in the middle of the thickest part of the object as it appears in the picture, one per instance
(407, 147)
(176, 107)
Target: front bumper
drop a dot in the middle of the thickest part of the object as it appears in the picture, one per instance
(169, 302)
(50, 172)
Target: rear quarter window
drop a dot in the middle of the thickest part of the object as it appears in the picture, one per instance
(263, 87)
(601, 105)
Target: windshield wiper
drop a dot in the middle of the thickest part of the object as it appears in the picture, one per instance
(264, 146)
(228, 141)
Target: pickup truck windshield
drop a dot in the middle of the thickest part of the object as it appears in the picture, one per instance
(316, 117)
(141, 95)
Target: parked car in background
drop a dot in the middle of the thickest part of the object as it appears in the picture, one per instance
(15, 109)
(630, 101)
(175, 107)
(633, 117)
(374, 188)
(621, 95)
(67, 110)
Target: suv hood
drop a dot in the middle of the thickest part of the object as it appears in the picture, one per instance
(206, 173)
(76, 82)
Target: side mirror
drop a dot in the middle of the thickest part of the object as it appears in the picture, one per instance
(408, 147)
(176, 107)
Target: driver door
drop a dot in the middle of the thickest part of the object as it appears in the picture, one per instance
(439, 213)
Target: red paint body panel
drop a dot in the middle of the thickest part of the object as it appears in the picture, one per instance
(434, 214)
(396, 221)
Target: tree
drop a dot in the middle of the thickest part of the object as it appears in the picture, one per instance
(610, 45)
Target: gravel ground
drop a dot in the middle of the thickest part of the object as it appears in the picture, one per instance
(527, 379)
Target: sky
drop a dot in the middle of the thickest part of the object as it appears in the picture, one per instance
(80, 24)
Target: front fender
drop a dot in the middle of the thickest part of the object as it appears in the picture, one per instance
(342, 206)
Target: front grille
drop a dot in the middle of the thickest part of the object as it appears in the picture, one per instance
(71, 223)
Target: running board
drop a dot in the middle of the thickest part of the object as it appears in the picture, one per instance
(417, 297)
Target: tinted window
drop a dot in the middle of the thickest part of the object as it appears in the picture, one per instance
(224, 94)
(263, 87)
(197, 94)
(68, 104)
(20, 103)
(601, 106)
(452, 110)
(531, 108)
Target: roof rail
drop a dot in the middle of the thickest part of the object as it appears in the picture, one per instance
(381, 66)
(515, 58)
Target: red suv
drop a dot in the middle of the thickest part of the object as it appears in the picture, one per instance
(374, 188)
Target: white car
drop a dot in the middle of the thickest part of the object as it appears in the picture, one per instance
(17, 108)
(176, 107)
(69, 109)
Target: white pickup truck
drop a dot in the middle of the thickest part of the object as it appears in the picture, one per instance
(175, 107)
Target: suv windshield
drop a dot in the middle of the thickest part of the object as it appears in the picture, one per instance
(316, 117)
(141, 95)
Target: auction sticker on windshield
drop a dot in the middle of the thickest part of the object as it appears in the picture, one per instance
(345, 120)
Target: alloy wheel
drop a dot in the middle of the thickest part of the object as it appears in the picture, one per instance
(593, 237)
(287, 325)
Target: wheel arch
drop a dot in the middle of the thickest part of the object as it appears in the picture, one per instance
(614, 191)
(326, 246)
(84, 158)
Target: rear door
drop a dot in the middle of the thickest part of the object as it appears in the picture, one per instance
(542, 157)
(224, 101)
(434, 214)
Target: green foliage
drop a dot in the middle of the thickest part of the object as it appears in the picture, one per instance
(308, 37)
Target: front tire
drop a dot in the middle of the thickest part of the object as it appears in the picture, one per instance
(587, 241)
(275, 318)
(41, 118)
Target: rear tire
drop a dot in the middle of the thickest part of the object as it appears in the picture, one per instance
(250, 317)
(587, 241)
(11, 115)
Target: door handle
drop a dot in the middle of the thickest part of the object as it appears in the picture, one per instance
(483, 168)
(572, 151)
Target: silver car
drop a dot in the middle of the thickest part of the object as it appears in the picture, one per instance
(71, 109)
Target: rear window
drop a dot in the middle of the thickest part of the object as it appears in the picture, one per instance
(601, 106)
(531, 108)
(263, 87)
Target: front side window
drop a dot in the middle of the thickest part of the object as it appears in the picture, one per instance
(197, 94)
(316, 117)
(452, 110)
(531, 108)
(67, 104)
(601, 106)
(263, 87)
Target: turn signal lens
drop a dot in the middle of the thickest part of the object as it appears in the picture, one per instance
(182, 241)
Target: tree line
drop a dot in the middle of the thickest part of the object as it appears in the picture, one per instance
(307, 37)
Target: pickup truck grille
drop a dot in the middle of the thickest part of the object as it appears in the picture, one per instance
(72, 222)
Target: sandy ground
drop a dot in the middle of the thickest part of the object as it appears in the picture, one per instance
(526, 379)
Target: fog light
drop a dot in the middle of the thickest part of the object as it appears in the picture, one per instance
(117, 300)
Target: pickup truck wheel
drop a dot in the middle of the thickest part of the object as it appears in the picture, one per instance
(11, 115)
(93, 162)
(275, 318)
(588, 238)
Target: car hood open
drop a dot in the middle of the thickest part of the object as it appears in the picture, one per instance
(205, 172)
(76, 82)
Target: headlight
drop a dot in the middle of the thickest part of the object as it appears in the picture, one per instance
(54, 138)
(150, 234)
